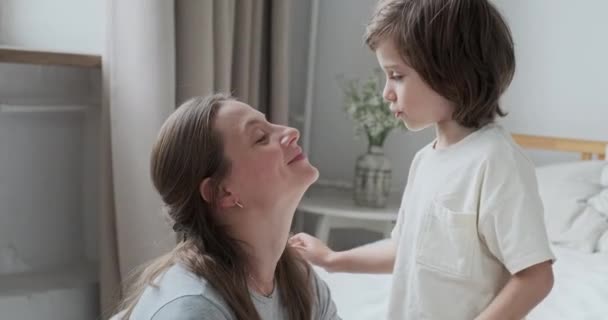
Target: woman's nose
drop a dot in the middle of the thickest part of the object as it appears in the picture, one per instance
(290, 136)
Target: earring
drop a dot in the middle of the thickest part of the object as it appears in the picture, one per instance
(238, 204)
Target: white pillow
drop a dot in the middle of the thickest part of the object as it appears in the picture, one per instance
(602, 243)
(587, 171)
(585, 233)
(600, 202)
(604, 177)
(564, 189)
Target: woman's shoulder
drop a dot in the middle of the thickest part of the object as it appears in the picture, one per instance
(177, 291)
(324, 306)
(191, 307)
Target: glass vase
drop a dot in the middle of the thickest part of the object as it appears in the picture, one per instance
(372, 181)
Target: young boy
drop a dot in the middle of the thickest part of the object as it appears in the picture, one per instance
(470, 239)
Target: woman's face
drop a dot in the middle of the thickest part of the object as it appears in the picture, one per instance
(267, 164)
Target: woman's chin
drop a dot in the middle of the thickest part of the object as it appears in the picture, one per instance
(305, 179)
(313, 175)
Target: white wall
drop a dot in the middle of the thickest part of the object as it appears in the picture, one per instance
(72, 25)
(560, 84)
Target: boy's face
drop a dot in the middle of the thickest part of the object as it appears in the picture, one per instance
(411, 99)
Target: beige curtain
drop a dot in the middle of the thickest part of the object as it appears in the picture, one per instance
(236, 46)
(160, 53)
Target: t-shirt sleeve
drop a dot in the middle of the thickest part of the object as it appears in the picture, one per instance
(192, 307)
(396, 232)
(325, 308)
(511, 215)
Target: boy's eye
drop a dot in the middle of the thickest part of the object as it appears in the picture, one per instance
(395, 76)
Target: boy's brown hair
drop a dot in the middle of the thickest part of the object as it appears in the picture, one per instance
(462, 48)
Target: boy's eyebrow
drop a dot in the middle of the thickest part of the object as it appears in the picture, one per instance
(391, 66)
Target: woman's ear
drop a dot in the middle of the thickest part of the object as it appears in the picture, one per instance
(227, 199)
(206, 190)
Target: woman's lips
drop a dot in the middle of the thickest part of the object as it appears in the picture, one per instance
(297, 158)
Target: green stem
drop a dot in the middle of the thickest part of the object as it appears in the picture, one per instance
(379, 139)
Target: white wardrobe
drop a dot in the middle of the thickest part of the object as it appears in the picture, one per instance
(48, 178)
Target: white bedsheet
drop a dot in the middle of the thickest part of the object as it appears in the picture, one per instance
(580, 291)
(581, 288)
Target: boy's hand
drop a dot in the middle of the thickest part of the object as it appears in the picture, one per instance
(312, 249)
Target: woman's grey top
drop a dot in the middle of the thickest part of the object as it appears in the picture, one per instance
(181, 295)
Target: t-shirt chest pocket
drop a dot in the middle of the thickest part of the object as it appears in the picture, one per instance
(446, 241)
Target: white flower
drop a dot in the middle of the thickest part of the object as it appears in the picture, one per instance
(374, 101)
(365, 105)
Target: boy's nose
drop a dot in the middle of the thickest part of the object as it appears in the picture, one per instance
(388, 95)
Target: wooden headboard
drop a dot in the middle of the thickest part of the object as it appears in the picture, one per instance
(587, 148)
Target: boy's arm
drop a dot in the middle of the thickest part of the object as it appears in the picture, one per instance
(521, 294)
(377, 257)
(512, 227)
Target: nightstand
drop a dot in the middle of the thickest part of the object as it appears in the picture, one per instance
(336, 208)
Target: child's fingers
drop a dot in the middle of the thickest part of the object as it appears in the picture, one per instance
(298, 244)
(294, 241)
(301, 250)
(298, 238)
(301, 235)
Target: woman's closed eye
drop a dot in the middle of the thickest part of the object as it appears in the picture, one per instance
(262, 138)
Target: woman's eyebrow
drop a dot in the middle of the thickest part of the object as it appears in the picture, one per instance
(252, 122)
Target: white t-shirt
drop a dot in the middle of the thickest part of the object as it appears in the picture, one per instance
(471, 216)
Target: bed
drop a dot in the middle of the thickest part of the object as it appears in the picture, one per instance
(575, 196)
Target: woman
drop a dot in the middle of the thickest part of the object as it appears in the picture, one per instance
(231, 182)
